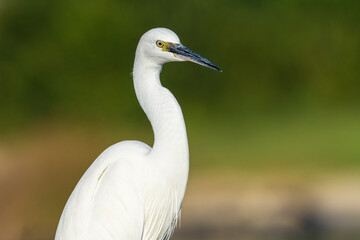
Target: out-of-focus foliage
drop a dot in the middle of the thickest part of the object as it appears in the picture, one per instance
(289, 87)
(74, 58)
(285, 109)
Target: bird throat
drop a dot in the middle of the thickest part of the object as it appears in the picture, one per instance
(162, 109)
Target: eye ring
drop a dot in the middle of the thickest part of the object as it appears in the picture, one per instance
(160, 43)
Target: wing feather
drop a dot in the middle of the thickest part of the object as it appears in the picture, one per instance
(106, 201)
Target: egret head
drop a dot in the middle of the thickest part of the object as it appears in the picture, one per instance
(161, 45)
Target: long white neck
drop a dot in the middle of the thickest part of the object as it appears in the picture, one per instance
(162, 109)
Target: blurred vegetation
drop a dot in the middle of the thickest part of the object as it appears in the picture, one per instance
(286, 106)
(289, 89)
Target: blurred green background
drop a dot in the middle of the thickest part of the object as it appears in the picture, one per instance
(284, 111)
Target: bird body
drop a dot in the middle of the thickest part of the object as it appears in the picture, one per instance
(133, 191)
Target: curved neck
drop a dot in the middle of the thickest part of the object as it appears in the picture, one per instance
(161, 108)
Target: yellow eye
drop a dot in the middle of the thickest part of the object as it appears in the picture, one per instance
(160, 43)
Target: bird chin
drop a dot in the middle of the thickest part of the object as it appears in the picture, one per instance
(188, 59)
(181, 58)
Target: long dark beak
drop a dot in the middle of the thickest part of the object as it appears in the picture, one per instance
(186, 54)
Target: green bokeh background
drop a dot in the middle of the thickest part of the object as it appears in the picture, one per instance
(291, 65)
(287, 100)
(290, 80)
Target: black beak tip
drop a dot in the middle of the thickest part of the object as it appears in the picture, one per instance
(216, 68)
(212, 65)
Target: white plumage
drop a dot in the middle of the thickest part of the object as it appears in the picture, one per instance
(133, 191)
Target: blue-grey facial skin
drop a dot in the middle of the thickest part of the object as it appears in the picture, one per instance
(183, 52)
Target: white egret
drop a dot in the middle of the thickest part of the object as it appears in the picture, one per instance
(133, 191)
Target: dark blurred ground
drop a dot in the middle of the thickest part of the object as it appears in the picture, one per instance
(244, 201)
(274, 139)
(271, 207)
